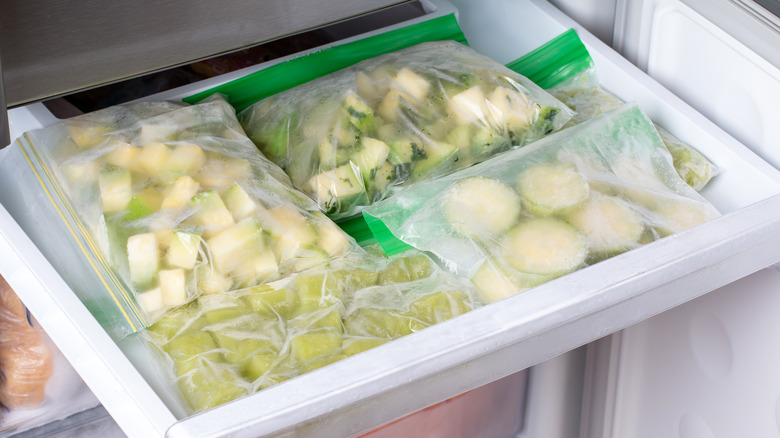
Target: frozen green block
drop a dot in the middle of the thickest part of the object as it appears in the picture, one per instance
(221, 307)
(439, 306)
(175, 322)
(266, 300)
(354, 279)
(316, 291)
(315, 343)
(188, 350)
(406, 268)
(320, 362)
(209, 386)
(355, 345)
(258, 364)
(325, 318)
(381, 323)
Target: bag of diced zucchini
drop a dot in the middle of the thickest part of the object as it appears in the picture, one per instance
(221, 347)
(349, 138)
(569, 200)
(161, 202)
(564, 67)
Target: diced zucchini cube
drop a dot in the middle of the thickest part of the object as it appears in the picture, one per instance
(210, 281)
(211, 213)
(151, 301)
(180, 194)
(232, 246)
(185, 159)
(115, 189)
(142, 259)
(183, 250)
(238, 201)
(152, 158)
(173, 285)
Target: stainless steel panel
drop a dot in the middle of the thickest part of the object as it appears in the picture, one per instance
(5, 136)
(52, 47)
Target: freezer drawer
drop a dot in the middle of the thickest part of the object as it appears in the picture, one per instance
(484, 345)
(702, 369)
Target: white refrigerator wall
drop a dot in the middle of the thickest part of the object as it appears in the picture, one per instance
(706, 368)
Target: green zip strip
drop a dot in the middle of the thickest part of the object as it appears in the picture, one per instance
(358, 229)
(245, 91)
(555, 62)
(389, 242)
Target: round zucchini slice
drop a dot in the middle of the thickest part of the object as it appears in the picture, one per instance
(676, 215)
(493, 282)
(545, 246)
(611, 225)
(481, 206)
(549, 188)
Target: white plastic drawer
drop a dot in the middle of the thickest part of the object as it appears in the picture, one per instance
(427, 367)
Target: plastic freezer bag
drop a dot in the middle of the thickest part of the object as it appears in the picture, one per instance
(166, 201)
(348, 138)
(564, 67)
(574, 198)
(221, 347)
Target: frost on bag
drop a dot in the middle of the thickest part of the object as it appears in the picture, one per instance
(222, 347)
(575, 198)
(589, 99)
(175, 201)
(563, 67)
(348, 138)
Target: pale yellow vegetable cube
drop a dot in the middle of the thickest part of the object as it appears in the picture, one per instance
(173, 287)
(151, 301)
(183, 250)
(116, 189)
(152, 157)
(180, 193)
(142, 258)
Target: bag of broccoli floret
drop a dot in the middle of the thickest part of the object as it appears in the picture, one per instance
(350, 138)
(577, 197)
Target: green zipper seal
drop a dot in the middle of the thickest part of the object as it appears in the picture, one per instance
(245, 91)
(390, 243)
(555, 62)
(358, 229)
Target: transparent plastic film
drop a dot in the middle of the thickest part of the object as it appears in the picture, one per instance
(575, 198)
(26, 362)
(351, 138)
(167, 201)
(564, 67)
(221, 347)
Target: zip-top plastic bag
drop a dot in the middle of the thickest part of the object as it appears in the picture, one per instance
(564, 67)
(221, 347)
(161, 202)
(349, 138)
(572, 199)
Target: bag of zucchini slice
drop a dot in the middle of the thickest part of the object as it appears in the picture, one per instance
(564, 68)
(221, 347)
(167, 201)
(569, 200)
(348, 138)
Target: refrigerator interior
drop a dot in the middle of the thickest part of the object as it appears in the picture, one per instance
(556, 323)
(705, 368)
